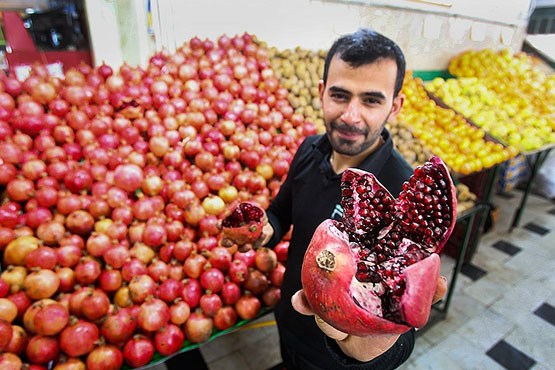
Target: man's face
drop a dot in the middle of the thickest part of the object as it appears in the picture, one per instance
(357, 102)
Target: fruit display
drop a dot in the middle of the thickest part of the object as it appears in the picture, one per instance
(464, 147)
(526, 94)
(416, 154)
(299, 71)
(376, 270)
(411, 148)
(473, 99)
(114, 184)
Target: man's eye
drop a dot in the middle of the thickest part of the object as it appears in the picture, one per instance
(341, 97)
(371, 101)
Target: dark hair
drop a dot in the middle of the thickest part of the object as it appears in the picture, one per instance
(366, 46)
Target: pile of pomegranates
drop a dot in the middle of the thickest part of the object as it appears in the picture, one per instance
(114, 184)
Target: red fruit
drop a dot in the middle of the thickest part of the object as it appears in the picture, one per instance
(191, 292)
(128, 177)
(105, 357)
(79, 338)
(119, 327)
(95, 305)
(248, 306)
(18, 341)
(247, 257)
(231, 292)
(378, 268)
(276, 276)
(220, 258)
(9, 361)
(179, 312)
(169, 290)
(198, 328)
(153, 315)
(238, 271)
(141, 287)
(244, 224)
(271, 296)
(47, 317)
(42, 349)
(6, 333)
(265, 259)
(194, 265)
(169, 340)
(212, 279)
(41, 284)
(43, 257)
(210, 303)
(281, 249)
(4, 288)
(256, 282)
(138, 351)
(225, 318)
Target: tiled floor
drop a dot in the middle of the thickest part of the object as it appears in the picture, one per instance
(502, 315)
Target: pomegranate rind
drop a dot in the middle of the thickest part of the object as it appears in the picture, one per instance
(329, 290)
(244, 225)
(420, 286)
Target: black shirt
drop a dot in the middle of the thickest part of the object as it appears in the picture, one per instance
(309, 195)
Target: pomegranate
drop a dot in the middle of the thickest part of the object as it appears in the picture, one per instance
(225, 318)
(6, 333)
(79, 338)
(18, 341)
(244, 224)
(9, 361)
(119, 327)
(105, 357)
(377, 270)
(42, 349)
(138, 351)
(198, 328)
(169, 340)
(248, 306)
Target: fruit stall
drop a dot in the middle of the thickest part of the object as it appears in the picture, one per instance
(115, 180)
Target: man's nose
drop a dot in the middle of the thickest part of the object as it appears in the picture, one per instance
(352, 113)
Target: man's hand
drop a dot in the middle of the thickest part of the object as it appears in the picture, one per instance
(267, 233)
(360, 348)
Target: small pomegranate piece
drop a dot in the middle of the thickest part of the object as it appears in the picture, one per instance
(244, 224)
(377, 270)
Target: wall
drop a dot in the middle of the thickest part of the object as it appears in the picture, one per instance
(429, 34)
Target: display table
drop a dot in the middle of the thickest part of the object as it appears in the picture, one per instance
(534, 160)
(467, 221)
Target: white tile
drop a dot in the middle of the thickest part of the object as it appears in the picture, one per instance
(486, 329)
(462, 304)
(465, 353)
(486, 290)
(537, 343)
(442, 329)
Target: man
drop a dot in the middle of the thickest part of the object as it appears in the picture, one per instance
(360, 92)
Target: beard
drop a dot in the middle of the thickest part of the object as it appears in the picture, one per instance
(352, 147)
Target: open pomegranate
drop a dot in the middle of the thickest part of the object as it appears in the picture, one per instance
(377, 270)
(244, 224)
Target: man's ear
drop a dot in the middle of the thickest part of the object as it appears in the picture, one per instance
(321, 88)
(396, 106)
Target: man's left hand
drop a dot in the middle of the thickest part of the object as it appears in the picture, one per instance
(360, 348)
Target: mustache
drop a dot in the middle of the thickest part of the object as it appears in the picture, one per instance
(335, 125)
